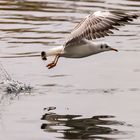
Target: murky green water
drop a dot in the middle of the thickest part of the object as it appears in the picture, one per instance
(97, 97)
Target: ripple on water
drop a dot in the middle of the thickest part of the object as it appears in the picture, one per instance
(46, 23)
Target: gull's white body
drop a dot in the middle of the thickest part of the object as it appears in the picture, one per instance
(83, 49)
(96, 25)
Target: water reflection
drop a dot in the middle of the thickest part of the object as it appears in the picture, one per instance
(76, 127)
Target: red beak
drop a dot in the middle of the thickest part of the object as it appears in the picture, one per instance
(114, 49)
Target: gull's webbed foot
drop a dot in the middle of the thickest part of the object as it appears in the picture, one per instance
(51, 65)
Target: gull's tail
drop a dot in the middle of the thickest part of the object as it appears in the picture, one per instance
(43, 55)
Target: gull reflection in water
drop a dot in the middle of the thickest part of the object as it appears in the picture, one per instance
(103, 127)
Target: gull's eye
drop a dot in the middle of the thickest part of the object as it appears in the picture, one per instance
(106, 46)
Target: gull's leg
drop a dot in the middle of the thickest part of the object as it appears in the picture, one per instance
(53, 64)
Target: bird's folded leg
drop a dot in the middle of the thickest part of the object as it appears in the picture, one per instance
(53, 64)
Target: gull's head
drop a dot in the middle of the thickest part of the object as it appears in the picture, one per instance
(43, 55)
(105, 47)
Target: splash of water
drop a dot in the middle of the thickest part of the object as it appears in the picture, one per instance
(9, 85)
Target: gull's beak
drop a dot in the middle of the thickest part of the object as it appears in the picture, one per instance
(114, 49)
(43, 56)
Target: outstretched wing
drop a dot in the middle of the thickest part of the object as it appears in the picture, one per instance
(98, 24)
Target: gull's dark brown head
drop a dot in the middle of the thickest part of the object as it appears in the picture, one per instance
(43, 55)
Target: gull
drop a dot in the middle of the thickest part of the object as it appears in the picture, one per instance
(79, 42)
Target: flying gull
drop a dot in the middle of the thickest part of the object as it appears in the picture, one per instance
(79, 43)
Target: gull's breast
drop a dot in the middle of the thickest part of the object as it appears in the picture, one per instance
(79, 51)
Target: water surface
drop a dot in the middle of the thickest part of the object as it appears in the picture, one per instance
(95, 97)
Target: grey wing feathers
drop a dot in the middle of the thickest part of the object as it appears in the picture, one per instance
(99, 24)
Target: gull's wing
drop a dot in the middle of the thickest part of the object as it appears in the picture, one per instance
(97, 25)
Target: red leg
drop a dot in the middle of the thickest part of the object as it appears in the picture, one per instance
(53, 64)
